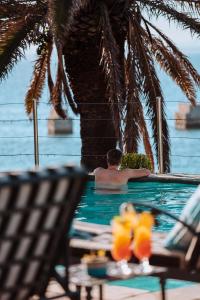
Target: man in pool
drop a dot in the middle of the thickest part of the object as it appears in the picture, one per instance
(112, 177)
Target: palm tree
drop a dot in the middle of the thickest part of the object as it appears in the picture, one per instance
(106, 56)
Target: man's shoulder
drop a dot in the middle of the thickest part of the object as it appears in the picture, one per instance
(97, 170)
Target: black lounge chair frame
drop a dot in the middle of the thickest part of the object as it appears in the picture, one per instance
(36, 212)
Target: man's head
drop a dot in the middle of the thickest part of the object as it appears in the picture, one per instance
(114, 157)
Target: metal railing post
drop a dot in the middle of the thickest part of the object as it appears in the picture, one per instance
(35, 128)
(160, 139)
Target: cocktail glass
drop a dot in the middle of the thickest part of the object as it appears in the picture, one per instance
(142, 249)
(121, 247)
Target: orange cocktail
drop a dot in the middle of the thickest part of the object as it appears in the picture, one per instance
(121, 245)
(142, 241)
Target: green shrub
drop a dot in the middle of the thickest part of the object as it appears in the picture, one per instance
(135, 161)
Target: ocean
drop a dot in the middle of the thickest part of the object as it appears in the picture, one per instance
(16, 130)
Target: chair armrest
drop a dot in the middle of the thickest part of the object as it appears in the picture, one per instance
(156, 211)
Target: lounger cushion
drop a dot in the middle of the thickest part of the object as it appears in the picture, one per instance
(179, 237)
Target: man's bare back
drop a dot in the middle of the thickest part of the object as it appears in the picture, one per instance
(114, 178)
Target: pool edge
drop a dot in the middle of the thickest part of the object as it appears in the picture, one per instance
(175, 178)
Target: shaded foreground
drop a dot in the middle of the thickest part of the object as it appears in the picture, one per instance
(119, 293)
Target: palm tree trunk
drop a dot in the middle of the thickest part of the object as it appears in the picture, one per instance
(98, 135)
(88, 84)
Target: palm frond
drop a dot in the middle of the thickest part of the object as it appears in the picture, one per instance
(151, 87)
(56, 96)
(4, 11)
(14, 9)
(145, 136)
(184, 19)
(191, 6)
(61, 15)
(66, 88)
(135, 122)
(38, 81)
(172, 66)
(131, 132)
(13, 42)
(180, 56)
(49, 76)
(110, 63)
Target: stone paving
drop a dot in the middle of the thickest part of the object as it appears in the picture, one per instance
(122, 293)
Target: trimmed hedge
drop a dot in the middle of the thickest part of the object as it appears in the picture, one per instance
(135, 161)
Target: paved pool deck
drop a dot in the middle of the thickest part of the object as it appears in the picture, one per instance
(122, 293)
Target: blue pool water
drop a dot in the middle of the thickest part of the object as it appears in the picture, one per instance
(100, 208)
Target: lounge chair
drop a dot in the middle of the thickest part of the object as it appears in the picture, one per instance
(182, 264)
(36, 212)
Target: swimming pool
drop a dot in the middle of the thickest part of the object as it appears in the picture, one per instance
(100, 208)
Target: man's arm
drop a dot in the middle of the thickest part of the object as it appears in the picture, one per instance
(137, 173)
